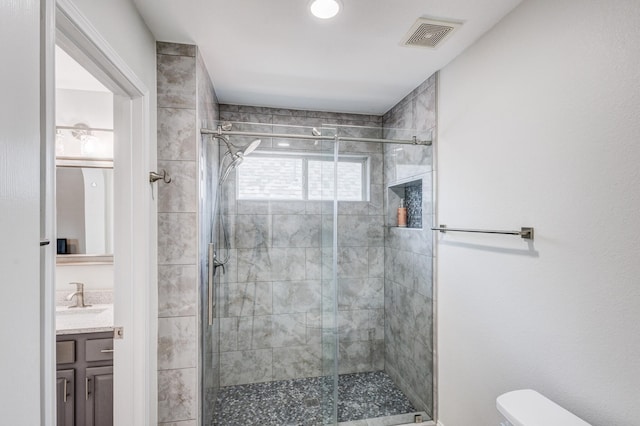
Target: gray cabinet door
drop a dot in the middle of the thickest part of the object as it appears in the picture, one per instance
(99, 396)
(65, 390)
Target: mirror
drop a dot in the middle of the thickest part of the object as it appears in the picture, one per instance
(84, 207)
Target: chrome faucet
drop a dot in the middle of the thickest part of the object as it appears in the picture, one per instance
(79, 294)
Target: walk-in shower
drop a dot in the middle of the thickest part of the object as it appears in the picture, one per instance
(322, 313)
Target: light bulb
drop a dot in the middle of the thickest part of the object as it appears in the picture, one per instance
(325, 9)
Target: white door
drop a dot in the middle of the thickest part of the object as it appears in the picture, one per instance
(27, 343)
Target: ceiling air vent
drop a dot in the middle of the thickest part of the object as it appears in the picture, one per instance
(428, 33)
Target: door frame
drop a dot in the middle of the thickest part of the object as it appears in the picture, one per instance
(135, 296)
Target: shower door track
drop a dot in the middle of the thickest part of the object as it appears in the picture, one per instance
(220, 131)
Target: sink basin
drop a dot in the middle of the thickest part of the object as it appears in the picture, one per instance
(84, 320)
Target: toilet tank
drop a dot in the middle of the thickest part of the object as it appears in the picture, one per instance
(527, 407)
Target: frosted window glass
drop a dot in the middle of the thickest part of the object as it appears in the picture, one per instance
(270, 178)
(321, 180)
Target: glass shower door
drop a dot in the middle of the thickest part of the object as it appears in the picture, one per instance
(327, 192)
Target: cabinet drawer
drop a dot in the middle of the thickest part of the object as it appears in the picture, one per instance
(99, 350)
(66, 352)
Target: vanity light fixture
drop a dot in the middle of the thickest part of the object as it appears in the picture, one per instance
(325, 9)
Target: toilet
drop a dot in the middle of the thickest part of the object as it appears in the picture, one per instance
(527, 407)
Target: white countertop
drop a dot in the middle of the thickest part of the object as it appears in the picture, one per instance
(91, 319)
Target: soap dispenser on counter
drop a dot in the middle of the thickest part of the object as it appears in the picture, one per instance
(402, 214)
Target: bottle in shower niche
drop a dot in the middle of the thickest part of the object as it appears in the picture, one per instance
(402, 214)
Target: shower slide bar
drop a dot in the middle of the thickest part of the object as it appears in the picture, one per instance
(525, 232)
(220, 131)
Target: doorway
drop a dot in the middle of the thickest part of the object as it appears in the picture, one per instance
(133, 224)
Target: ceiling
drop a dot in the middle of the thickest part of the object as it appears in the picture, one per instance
(275, 53)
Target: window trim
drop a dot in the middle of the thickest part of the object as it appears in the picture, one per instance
(363, 159)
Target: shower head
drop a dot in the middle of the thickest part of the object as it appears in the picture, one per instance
(240, 152)
(251, 147)
(237, 156)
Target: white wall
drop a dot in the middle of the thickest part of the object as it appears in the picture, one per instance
(120, 24)
(94, 277)
(90, 107)
(539, 126)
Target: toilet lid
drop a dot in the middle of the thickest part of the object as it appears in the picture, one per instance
(527, 407)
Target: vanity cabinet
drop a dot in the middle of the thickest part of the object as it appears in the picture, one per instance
(65, 389)
(99, 398)
(85, 379)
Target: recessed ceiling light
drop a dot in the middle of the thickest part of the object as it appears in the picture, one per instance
(325, 9)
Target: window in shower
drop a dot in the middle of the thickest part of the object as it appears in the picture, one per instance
(302, 177)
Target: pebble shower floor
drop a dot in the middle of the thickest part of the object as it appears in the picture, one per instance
(302, 402)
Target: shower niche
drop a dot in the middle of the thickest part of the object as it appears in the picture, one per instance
(411, 192)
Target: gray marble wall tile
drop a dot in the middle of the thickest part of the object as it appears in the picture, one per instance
(246, 121)
(177, 134)
(360, 356)
(177, 238)
(296, 296)
(376, 320)
(313, 323)
(423, 274)
(177, 395)
(254, 265)
(255, 332)
(353, 208)
(399, 267)
(288, 264)
(252, 207)
(354, 325)
(176, 290)
(354, 293)
(287, 207)
(353, 262)
(253, 231)
(408, 321)
(181, 194)
(186, 102)
(414, 240)
(376, 262)
(207, 105)
(289, 330)
(234, 367)
(177, 342)
(376, 168)
(313, 263)
(299, 230)
(275, 264)
(297, 362)
(166, 48)
(229, 329)
(176, 81)
(376, 200)
(357, 229)
(245, 299)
